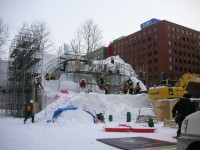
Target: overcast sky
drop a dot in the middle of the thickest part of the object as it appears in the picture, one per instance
(114, 17)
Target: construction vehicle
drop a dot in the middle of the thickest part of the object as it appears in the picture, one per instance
(187, 83)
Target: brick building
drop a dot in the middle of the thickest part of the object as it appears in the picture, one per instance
(99, 54)
(160, 48)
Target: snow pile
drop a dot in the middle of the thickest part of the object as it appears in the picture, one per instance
(115, 105)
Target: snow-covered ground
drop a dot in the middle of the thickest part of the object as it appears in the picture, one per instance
(75, 129)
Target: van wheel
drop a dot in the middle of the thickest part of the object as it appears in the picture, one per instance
(194, 146)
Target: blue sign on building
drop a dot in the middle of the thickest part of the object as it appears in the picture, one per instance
(149, 22)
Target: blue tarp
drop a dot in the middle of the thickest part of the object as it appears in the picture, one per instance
(57, 113)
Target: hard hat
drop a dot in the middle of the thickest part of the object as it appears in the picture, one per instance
(31, 101)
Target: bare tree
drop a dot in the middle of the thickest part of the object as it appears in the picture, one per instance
(76, 42)
(41, 34)
(88, 37)
(3, 35)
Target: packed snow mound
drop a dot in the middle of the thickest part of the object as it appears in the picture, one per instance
(115, 105)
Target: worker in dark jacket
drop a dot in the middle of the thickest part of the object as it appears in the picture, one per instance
(182, 109)
(137, 88)
(131, 87)
(106, 88)
(82, 83)
(29, 111)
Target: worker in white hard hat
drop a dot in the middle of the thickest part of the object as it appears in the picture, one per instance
(29, 111)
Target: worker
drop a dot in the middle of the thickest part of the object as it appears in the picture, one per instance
(29, 112)
(137, 88)
(39, 82)
(47, 77)
(126, 87)
(105, 67)
(181, 109)
(112, 60)
(82, 83)
(102, 79)
(131, 87)
(52, 76)
(106, 88)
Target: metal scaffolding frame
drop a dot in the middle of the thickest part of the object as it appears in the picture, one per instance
(25, 57)
(91, 73)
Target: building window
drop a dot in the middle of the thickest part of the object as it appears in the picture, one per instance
(176, 68)
(139, 36)
(149, 31)
(149, 39)
(155, 36)
(169, 43)
(170, 51)
(175, 59)
(185, 69)
(170, 59)
(168, 27)
(155, 52)
(144, 41)
(170, 67)
(169, 35)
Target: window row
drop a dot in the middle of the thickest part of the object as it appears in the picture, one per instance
(184, 53)
(179, 60)
(185, 69)
(184, 39)
(149, 39)
(177, 29)
(180, 45)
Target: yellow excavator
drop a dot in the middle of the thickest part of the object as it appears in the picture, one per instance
(187, 83)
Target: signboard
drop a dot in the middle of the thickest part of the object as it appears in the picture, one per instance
(148, 23)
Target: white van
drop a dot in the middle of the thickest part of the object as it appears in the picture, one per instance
(190, 133)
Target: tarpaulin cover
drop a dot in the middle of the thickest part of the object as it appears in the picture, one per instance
(131, 143)
(60, 110)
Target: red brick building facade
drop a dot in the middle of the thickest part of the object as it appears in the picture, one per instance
(161, 47)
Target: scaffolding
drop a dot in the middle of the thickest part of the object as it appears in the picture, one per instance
(80, 68)
(24, 65)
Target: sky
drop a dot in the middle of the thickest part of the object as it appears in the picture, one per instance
(115, 18)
